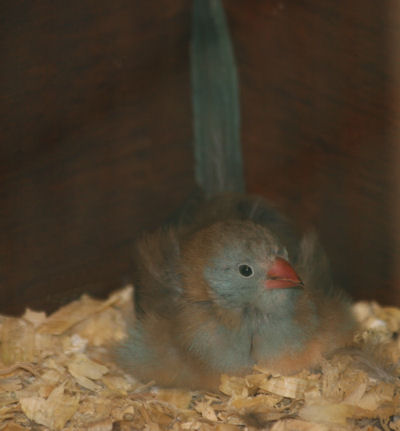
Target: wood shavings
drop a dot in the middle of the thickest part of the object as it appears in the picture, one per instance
(17, 341)
(289, 387)
(34, 317)
(52, 412)
(206, 411)
(13, 427)
(15, 367)
(81, 365)
(178, 398)
(78, 311)
(55, 374)
(117, 384)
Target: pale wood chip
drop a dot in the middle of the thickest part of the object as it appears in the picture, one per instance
(102, 425)
(81, 365)
(88, 384)
(68, 316)
(327, 413)
(118, 384)
(35, 317)
(17, 341)
(178, 398)
(13, 427)
(298, 425)
(52, 412)
(289, 387)
(17, 367)
(206, 411)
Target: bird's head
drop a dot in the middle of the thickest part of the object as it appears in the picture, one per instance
(244, 266)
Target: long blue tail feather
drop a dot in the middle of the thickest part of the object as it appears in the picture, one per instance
(215, 97)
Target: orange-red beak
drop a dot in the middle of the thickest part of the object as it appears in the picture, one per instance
(281, 275)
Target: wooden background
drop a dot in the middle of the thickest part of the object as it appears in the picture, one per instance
(95, 134)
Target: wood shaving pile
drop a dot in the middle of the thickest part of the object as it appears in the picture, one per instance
(55, 375)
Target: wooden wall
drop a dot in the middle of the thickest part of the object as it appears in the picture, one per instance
(321, 124)
(96, 127)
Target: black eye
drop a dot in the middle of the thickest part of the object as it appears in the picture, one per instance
(246, 270)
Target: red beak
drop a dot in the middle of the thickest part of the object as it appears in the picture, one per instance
(281, 275)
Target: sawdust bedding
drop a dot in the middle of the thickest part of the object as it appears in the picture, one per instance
(55, 375)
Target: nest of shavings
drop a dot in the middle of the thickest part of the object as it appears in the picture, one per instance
(55, 375)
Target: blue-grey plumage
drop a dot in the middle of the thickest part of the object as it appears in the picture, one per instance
(230, 283)
(222, 293)
(215, 99)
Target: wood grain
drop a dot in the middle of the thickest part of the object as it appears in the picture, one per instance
(96, 128)
(95, 141)
(318, 126)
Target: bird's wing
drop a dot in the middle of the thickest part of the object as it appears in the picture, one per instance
(156, 275)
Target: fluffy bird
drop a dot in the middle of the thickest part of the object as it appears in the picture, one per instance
(232, 288)
(230, 283)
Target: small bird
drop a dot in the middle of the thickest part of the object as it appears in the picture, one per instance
(233, 288)
(229, 283)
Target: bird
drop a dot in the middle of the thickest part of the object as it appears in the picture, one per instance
(233, 288)
(228, 283)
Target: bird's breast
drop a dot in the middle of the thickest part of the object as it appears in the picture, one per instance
(223, 349)
(227, 350)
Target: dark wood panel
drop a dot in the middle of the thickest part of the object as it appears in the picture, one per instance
(95, 141)
(319, 113)
(95, 134)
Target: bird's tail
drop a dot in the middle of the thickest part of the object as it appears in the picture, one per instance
(215, 96)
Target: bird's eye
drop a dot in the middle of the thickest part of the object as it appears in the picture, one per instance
(246, 270)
